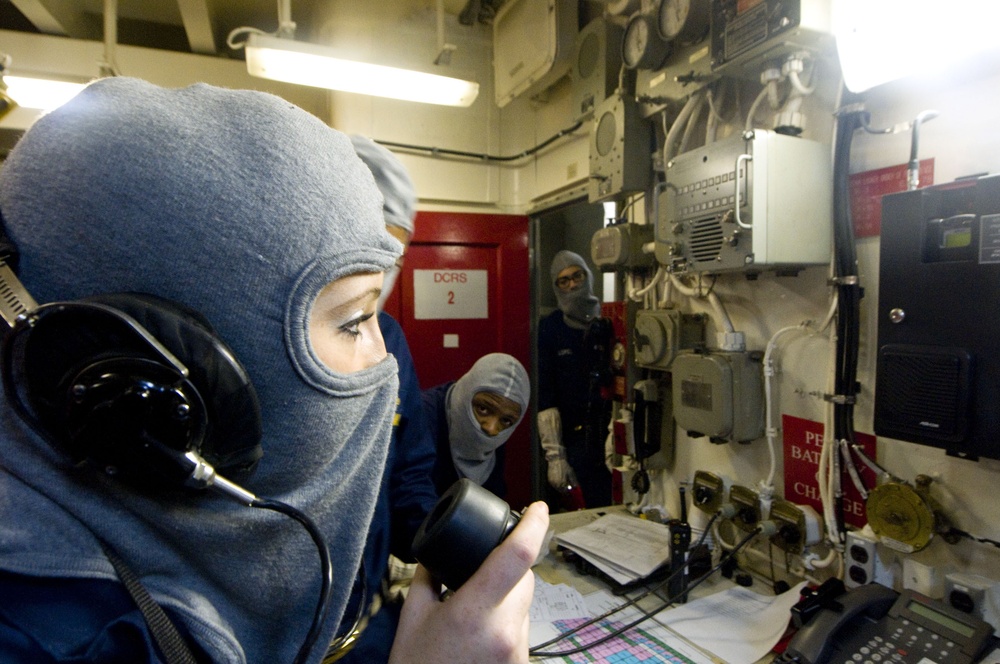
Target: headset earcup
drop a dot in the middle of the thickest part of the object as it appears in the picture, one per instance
(233, 429)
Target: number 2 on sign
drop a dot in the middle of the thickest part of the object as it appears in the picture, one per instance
(451, 297)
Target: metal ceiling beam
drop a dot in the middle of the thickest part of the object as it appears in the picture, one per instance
(60, 17)
(198, 26)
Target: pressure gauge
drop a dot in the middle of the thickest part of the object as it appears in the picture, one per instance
(641, 47)
(683, 20)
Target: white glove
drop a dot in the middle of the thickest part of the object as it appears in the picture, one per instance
(560, 473)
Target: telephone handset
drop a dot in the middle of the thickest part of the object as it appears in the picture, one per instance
(877, 624)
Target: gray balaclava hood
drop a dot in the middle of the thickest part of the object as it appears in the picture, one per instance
(399, 196)
(579, 306)
(472, 449)
(399, 205)
(242, 206)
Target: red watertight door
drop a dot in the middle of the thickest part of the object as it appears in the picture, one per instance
(464, 292)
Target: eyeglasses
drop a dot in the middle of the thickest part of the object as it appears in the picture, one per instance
(575, 278)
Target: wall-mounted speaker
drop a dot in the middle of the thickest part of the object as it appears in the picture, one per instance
(597, 58)
(620, 149)
(938, 367)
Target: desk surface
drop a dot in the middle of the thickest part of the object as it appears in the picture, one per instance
(554, 570)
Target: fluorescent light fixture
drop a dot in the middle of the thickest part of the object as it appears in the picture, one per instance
(309, 64)
(883, 40)
(42, 94)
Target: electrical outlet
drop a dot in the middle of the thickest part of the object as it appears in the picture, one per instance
(974, 594)
(708, 491)
(747, 503)
(862, 564)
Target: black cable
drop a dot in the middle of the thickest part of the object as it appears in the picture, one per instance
(323, 607)
(970, 536)
(435, 152)
(848, 288)
(644, 615)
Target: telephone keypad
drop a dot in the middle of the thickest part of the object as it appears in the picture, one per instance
(880, 649)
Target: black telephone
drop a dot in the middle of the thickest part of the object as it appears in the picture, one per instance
(876, 624)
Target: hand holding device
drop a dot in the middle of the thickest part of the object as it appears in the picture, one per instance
(486, 619)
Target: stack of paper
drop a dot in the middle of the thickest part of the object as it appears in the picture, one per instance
(626, 548)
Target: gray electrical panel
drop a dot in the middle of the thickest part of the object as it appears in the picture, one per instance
(750, 202)
(719, 394)
(620, 149)
(598, 58)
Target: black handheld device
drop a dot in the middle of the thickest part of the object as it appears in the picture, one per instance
(466, 524)
(680, 541)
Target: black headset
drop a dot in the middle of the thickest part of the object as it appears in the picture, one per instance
(137, 386)
(141, 388)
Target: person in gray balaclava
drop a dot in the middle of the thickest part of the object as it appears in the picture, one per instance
(471, 418)
(204, 213)
(573, 366)
(408, 494)
(399, 199)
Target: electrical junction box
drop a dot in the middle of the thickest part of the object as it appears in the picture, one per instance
(745, 34)
(708, 491)
(747, 504)
(799, 526)
(750, 202)
(938, 364)
(620, 149)
(619, 246)
(719, 394)
(660, 333)
(532, 46)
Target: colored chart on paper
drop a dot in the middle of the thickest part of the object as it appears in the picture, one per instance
(634, 646)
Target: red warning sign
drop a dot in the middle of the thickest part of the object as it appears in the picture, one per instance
(803, 444)
(868, 188)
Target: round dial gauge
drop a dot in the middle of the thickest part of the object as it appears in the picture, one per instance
(683, 20)
(641, 47)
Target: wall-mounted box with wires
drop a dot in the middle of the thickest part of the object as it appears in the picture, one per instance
(620, 246)
(799, 526)
(747, 504)
(659, 334)
(750, 202)
(708, 491)
(719, 394)
(744, 34)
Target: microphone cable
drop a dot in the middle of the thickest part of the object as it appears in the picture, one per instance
(203, 475)
(325, 593)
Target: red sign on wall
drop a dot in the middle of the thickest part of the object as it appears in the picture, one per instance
(868, 188)
(803, 443)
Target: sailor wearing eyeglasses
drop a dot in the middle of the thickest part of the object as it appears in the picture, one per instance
(574, 345)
